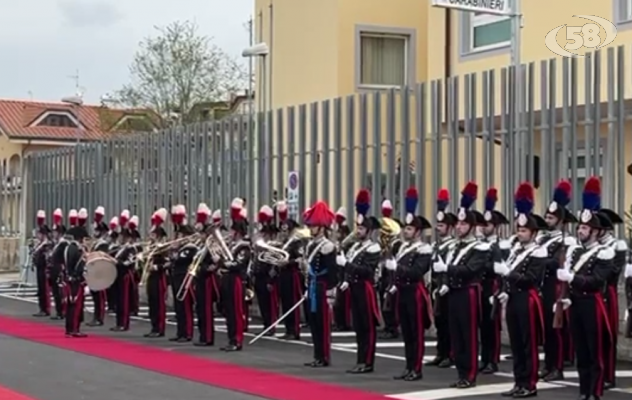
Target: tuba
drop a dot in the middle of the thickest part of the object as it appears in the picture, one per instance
(389, 234)
(271, 253)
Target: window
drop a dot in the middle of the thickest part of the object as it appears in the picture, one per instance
(623, 11)
(489, 31)
(383, 59)
(58, 120)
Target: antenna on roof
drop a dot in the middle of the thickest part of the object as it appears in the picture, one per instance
(77, 99)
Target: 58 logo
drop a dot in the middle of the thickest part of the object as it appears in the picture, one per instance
(581, 36)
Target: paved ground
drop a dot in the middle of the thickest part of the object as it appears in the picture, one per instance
(47, 373)
(272, 354)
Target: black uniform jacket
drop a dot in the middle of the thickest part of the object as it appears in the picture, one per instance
(525, 268)
(441, 248)
(362, 261)
(592, 267)
(73, 259)
(466, 261)
(125, 258)
(321, 257)
(242, 253)
(556, 245)
(40, 253)
(619, 261)
(183, 258)
(414, 260)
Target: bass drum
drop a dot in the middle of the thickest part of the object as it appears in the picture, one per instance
(100, 271)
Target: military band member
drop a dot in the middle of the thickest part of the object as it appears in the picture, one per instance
(234, 277)
(113, 237)
(75, 268)
(444, 226)
(73, 218)
(608, 220)
(490, 325)
(206, 286)
(522, 274)
(321, 261)
(342, 305)
(40, 263)
(627, 276)
(463, 266)
(265, 275)
(157, 282)
(291, 280)
(586, 271)
(181, 258)
(99, 298)
(56, 273)
(391, 325)
(555, 242)
(411, 263)
(125, 262)
(360, 264)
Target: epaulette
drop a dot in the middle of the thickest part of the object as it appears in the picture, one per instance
(483, 246)
(189, 245)
(374, 248)
(425, 249)
(540, 252)
(505, 244)
(621, 245)
(606, 253)
(327, 247)
(570, 241)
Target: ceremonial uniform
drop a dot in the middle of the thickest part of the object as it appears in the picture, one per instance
(490, 324)
(342, 305)
(521, 275)
(265, 274)
(56, 268)
(586, 271)
(233, 280)
(125, 263)
(99, 298)
(291, 280)
(441, 248)
(608, 219)
(181, 259)
(322, 272)
(386, 281)
(40, 257)
(412, 262)
(360, 265)
(75, 284)
(157, 281)
(464, 265)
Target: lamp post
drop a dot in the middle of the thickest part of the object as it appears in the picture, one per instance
(261, 51)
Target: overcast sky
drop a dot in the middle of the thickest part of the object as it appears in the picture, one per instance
(43, 42)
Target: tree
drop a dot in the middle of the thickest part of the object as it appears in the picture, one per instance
(177, 69)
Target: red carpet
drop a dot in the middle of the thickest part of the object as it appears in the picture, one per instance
(219, 374)
(8, 394)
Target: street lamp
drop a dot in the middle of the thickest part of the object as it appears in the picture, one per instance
(261, 51)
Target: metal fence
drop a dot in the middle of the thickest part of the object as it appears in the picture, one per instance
(567, 121)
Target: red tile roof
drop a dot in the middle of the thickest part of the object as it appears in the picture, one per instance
(16, 118)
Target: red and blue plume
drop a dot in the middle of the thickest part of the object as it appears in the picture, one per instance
(363, 202)
(591, 197)
(443, 199)
(412, 200)
(562, 193)
(524, 198)
(468, 195)
(491, 198)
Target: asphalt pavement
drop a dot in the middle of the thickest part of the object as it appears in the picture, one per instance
(287, 357)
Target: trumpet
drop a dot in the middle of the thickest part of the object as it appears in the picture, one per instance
(160, 247)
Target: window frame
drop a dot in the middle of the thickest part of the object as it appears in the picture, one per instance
(409, 35)
(483, 20)
(622, 13)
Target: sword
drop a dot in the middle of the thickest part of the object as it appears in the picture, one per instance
(278, 321)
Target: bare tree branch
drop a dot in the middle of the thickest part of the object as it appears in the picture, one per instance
(179, 68)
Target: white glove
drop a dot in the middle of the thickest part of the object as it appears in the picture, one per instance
(628, 271)
(444, 289)
(393, 289)
(341, 260)
(344, 286)
(501, 269)
(390, 264)
(439, 266)
(503, 297)
(154, 267)
(627, 315)
(566, 303)
(86, 290)
(565, 275)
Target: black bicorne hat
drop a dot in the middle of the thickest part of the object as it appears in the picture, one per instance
(44, 229)
(61, 229)
(524, 209)
(591, 204)
(443, 216)
(78, 232)
(369, 222)
(417, 221)
(468, 197)
(159, 231)
(288, 224)
(604, 221)
(612, 216)
(491, 215)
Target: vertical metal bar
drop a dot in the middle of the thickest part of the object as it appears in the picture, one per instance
(546, 131)
(622, 148)
(377, 194)
(363, 140)
(314, 180)
(351, 135)
(596, 131)
(280, 139)
(421, 122)
(471, 123)
(572, 132)
(589, 151)
(391, 153)
(302, 161)
(530, 121)
(326, 173)
(338, 150)
(608, 162)
(404, 182)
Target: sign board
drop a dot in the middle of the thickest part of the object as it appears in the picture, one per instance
(584, 37)
(497, 7)
(293, 195)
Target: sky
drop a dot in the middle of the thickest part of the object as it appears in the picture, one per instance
(43, 43)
